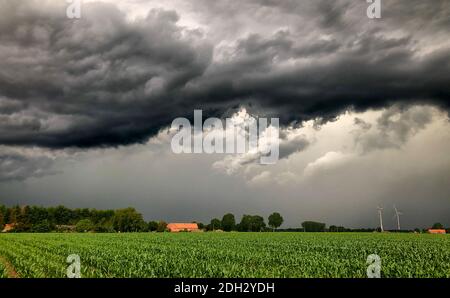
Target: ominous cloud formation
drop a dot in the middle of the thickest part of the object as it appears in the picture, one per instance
(108, 80)
(16, 164)
(97, 82)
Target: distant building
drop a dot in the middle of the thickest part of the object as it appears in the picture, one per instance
(8, 227)
(436, 231)
(183, 227)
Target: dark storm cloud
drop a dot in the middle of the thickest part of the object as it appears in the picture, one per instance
(107, 81)
(110, 82)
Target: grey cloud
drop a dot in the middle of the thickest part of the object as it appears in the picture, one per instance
(332, 13)
(289, 143)
(107, 81)
(362, 124)
(394, 127)
(8, 106)
(288, 147)
(282, 45)
(97, 69)
(160, 184)
(15, 166)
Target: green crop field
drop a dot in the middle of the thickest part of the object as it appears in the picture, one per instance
(3, 273)
(226, 254)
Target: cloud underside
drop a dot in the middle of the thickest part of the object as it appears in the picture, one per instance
(348, 167)
(106, 80)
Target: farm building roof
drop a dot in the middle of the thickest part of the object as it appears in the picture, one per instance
(176, 227)
(8, 227)
(436, 231)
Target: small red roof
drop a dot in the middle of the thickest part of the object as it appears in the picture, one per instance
(176, 227)
(9, 227)
(436, 231)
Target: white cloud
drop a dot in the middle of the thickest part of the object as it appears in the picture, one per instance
(325, 163)
(261, 179)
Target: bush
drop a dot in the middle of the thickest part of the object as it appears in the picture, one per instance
(104, 227)
(42, 227)
(84, 225)
(162, 226)
(152, 226)
(129, 220)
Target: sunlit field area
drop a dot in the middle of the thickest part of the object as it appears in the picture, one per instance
(225, 254)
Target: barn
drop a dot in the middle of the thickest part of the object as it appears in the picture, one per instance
(8, 227)
(436, 231)
(183, 227)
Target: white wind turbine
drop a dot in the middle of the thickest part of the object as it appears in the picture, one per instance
(380, 209)
(397, 214)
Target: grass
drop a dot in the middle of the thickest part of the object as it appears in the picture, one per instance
(3, 272)
(227, 254)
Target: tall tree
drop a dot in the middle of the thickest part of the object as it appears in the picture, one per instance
(2, 216)
(38, 215)
(251, 223)
(128, 220)
(275, 220)
(13, 214)
(228, 222)
(152, 226)
(438, 226)
(84, 225)
(216, 224)
(162, 226)
(61, 215)
(23, 219)
(258, 223)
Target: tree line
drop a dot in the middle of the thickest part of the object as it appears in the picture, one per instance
(63, 219)
(41, 219)
(248, 223)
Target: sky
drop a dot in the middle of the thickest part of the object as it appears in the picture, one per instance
(86, 107)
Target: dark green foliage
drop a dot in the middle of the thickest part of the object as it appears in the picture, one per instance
(84, 225)
(104, 226)
(63, 219)
(216, 224)
(228, 222)
(2, 216)
(42, 227)
(251, 223)
(152, 226)
(128, 220)
(162, 226)
(438, 226)
(275, 220)
(312, 226)
(342, 229)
